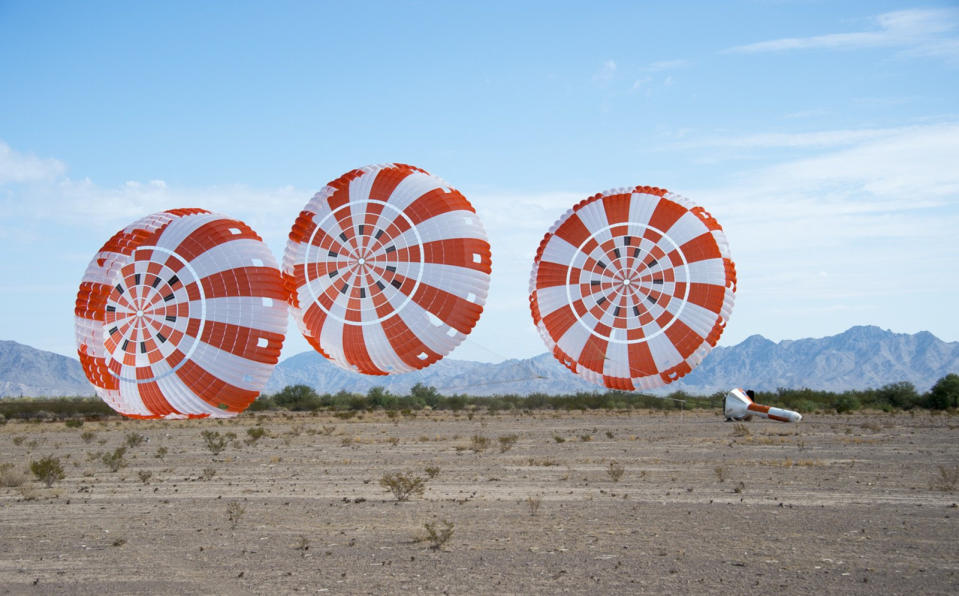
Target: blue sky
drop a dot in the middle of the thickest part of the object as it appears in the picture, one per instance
(824, 136)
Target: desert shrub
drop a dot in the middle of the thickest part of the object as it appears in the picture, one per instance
(403, 485)
(134, 440)
(114, 461)
(144, 476)
(88, 436)
(432, 471)
(234, 513)
(846, 403)
(207, 473)
(506, 442)
(161, 452)
(47, 470)
(73, 423)
(436, 535)
(297, 398)
(615, 471)
(947, 479)
(533, 503)
(479, 443)
(254, 434)
(721, 473)
(11, 476)
(741, 430)
(214, 441)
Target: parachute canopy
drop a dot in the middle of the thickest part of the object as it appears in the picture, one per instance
(388, 269)
(631, 288)
(181, 314)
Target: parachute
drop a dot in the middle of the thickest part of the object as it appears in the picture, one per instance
(387, 269)
(181, 314)
(631, 288)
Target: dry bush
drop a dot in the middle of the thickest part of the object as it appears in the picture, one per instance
(533, 503)
(134, 440)
(506, 442)
(479, 443)
(721, 473)
(435, 535)
(47, 470)
(741, 430)
(214, 441)
(615, 471)
(234, 512)
(144, 476)
(115, 460)
(11, 476)
(88, 436)
(432, 471)
(403, 485)
(254, 434)
(947, 479)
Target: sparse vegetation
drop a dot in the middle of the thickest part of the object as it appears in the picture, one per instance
(533, 503)
(88, 435)
(161, 452)
(437, 533)
(741, 430)
(214, 441)
(432, 471)
(234, 513)
(134, 440)
(47, 470)
(144, 476)
(479, 443)
(403, 485)
(73, 423)
(947, 478)
(254, 434)
(11, 476)
(615, 470)
(506, 442)
(114, 461)
(721, 473)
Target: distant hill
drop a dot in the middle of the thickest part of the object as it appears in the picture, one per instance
(859, 358)
(31, 372)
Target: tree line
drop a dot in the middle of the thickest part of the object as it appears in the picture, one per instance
(944, 395)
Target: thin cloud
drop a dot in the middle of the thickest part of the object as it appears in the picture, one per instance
(606, 72)
(666, 65)
(920, 32)
(19, 167)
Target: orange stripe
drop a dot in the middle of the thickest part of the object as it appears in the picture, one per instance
(617, 208)
(213, 390)
(683, 338)
(245, 281)
(458, 252)
(707, 296)
(641, 363)
(700, 248)
(355, 352)
(573, 231)
(211, 234)
(666, 214)
(243, 341)
(456, 312)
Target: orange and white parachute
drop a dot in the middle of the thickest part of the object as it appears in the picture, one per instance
(181, 314)
(631, 288)
(388, 268)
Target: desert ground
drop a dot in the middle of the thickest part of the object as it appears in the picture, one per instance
(538, 502)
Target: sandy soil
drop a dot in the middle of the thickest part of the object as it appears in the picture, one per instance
(850, 504)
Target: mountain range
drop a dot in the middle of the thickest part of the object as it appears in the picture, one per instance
(859, 358)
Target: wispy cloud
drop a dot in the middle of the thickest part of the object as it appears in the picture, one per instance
(666, 65)
(606, 72)
(22, 167)
(917, 31)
